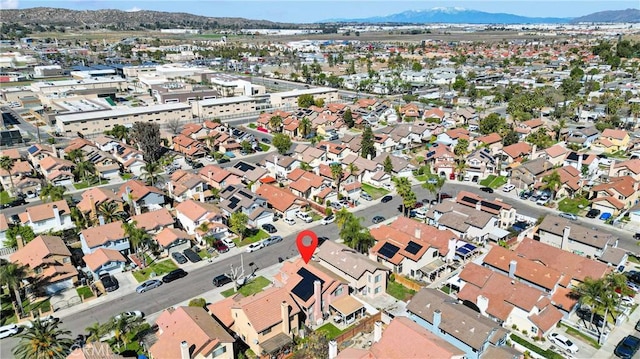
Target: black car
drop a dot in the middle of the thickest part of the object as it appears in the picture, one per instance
(224, 160)
(221, 280)
(585, 314)
(266, 140)
(636, 236)
(192, 256)
(173, 275)
(486, 189)
(633, 277)
(322, 240)
(593, 213)
(18, 202)
(109, 282)
(386, 199)
(377, 219)
(270, 228)
(627, 347)
(197, 165)
(525, 195)
(179, 258)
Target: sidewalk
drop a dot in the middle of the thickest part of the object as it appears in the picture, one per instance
(627, 328)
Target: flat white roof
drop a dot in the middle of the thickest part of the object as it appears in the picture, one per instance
(311, 91)
(225, 100)
(129, 111)
(85, 81)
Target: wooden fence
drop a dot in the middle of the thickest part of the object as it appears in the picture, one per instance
(364, 326)
(406, 282)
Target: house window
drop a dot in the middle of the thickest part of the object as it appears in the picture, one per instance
(266, 331)
(534, 330)
(337, 292)
(219, 351)
(377, 290)
(378, 277)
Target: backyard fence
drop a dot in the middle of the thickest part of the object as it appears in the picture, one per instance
(408, 283)
(364, 326)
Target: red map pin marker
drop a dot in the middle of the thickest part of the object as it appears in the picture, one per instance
(306, 251)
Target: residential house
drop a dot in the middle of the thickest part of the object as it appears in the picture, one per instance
(185, 185)
(614, 196)
(45, 217)
(173, 240)
(392, 343)
(570, 181)
(313, 287)
(441, 160)
(21, 170)
(634, 214)
(556, 154)
(107, 236)
(38, 152)
(306, 184)
(612, 140)
(334, 152)
(451, 137)
(240, 198)
(383, 143)
(458, 324)
(154, 221)
(480, 164)
(625, 168)
(492, 142)
(281, 199)
(104, 260)
(266, 322)
(401, 167)
(57, 171)
(141, 197)
(463, 221)
(581, 160)
(583, 137)
(562, 233)
(365, 168)
(280, 166)
(106, 143)
(48, 258)
(191, 332)
(505, 213)
(4, 227)
(508, 302)
(218, 177)
(527, 174)
(516, 152)
(192, 215)
(525, 128)
(94, 197)
(365, 277)
(188, 146)
(312, 156)
(250, 173)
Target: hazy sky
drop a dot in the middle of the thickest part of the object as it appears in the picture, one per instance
(312, 10)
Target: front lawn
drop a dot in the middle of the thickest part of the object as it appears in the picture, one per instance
(264, 147)
(253, 287)
(573, 205)
(86, 184)
(399, 291)
(84, 292)
(159, 268)
(126, 176)
(494, 181)
(258, 236)
(314, 216)
(5, 198)
(580, 335)
(204, 254)
(374, 192)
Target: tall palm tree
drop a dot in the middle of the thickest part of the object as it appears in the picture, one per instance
(84, 169)
(79, 219)
(352, 168)
(75, 156)
(552, 182)
(304, 127)
(337, 174)
(151, 172)
(43, 340)
(7, 163)
(588, 293)
(96, 331)
(461, 166)
(403, 187)
(110, 211)
(11, 275)
(275, 122)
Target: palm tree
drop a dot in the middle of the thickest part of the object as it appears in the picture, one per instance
(634, 110)
(11, 275)
(43, 340)
(151, 172)
(78, 218)
(304, 127)
(75, 156)
(461, 165)
(337, 174)
(110, 211)
(84, 169)
(96, 331)
(552, 182)
(51, 192)
(352, 168)
(403, 187)
(305, 166)
(275, 122)
(588, 293)
(7, 163)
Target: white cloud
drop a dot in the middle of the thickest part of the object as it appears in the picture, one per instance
(8, 4)
(134, 9)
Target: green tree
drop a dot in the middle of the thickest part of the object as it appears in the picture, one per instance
(552, 182)
(11, 275)
(337, 174)
(275, 122)
(147, 136)
(316, 346)
(13, 232)
(76, 155)
(348, 118)
(78, 218)
(305, 101)
(403, 187)
(461, 148)
(352, 232)
(570, 87)
(110, 211)
(119, 132)
(510, 138)
(43, 340)
(460, 84)
(246, 146)
(282, 143)
(305, 166)
(7, 163)
(366, 144)
(238, 223)
(96, 331)
(387, 165)
(492, 123)
(52, 193)
(588, 293)
(151, 172)
(416, 66)
(304, 127)
(198, 302)
(84, 170)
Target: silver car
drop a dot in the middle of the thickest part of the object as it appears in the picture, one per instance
(148, 285)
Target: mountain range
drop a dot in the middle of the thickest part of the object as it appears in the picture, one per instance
(458, 15)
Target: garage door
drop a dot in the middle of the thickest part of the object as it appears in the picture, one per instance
(59, 286)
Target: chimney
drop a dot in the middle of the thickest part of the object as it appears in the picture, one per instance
(377, 331)
(317, 306)
(94, 210)
(101, 220)
(451, 253)
(418, 232)
(284, 313)
(56, 214)
(333, 349)
(184, 350)
(580, 155)
(512, 268)
(565, 238)
(534, 148)
(437, 316)
(482, 303)
(19, 241)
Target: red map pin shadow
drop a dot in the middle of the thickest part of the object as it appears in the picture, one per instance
(307, 251)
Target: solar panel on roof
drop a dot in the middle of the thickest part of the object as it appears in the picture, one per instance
(413, 247)
(462, 251)
(388, 250)
(304, 289)
(233, 202)
(469, 199)
(245, 194)
(491, 205)
(32, 149)
(469, 246)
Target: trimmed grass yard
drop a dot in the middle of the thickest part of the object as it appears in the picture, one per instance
(580, 335)
(253, 287)
(260, 235)
(264, 147)
(85, 184)
(494, 181)
(5, 198)
(570, 205)
(399, 291)
(126, 176)
(375, 192)
(84, 292)
(159, 268)
(330, 330)
(314, 216)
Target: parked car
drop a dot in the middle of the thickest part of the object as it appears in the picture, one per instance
(605, 216)
(290, 221)
(508, 187)
(221, 280)
(627, 347)
(585, 314)
(638, 326)
(220, 247)
(266, 140)
(179, 258)
(386, 199)
(444, 196)
(9, 330)
(637, 236)
(486, 189)
(109, 282)
(44, 320)
(228, 242)
(304, 216)
(366, 196)
(209, 158)
(254, 247)
(525, 195)
(432, 180)
(328, 219)
(542, 201)
(377, 219)
(593, 213)
(191, 255)
(270, 228)
(148, 285)
(174, 275)
(563, 342)
(134, 314)
(223, 160)
(570, 216)
(271, 240)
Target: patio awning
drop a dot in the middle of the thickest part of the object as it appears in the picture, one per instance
(276, 343)
(498, 233)
(433, 266)
(347, 305)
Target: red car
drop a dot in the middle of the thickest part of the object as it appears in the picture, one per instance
(220, 247)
